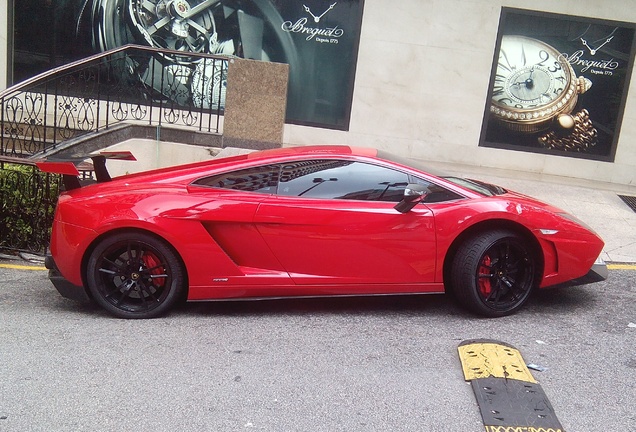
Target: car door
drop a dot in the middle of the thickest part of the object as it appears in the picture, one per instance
(333, 222)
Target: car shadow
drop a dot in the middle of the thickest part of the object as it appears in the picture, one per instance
(77, 307)
(372, 305)
(558, 300)
(564, 300)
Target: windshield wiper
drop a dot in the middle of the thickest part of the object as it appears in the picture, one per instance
(494, 189)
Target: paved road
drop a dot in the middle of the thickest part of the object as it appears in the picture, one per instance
(381, 364)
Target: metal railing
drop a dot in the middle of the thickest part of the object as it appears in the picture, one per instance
(132, 84)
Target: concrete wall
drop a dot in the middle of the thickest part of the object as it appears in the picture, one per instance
(422, 82)
(151, 154)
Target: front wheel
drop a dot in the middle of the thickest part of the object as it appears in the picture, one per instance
(135, 275)
(493, 273)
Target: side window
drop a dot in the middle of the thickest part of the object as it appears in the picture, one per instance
(339, 179)
(436, 193)
(261, 179)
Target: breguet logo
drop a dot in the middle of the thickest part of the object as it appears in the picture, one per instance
(318, 34)
(596, 66)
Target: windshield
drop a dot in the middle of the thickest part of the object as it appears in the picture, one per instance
(477, 186)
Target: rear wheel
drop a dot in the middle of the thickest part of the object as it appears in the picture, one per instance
(135, 275)
(493, 273)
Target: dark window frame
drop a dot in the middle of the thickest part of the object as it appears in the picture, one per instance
(287, 169)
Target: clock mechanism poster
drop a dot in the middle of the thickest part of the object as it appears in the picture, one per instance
(558, 84)
(318, 38)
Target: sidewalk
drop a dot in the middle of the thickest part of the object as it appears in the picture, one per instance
(596, 204)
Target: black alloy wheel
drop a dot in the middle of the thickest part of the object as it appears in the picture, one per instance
(493, 273)
(135, 275)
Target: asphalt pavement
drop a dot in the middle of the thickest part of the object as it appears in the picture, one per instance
(319, 365)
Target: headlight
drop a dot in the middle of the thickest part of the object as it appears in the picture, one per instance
(576, 220)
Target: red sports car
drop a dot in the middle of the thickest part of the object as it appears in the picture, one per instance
(304, 222)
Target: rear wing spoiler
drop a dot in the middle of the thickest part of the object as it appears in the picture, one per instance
(67, 167)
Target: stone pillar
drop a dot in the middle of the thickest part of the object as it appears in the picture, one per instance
(255, 104)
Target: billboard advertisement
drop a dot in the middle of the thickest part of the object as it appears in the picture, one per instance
(317, 38)
(558, 84)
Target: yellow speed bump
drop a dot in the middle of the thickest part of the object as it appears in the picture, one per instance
(509, 398)
(483, 359)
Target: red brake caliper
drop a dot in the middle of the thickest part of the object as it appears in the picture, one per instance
(484, 282)
(152, 263)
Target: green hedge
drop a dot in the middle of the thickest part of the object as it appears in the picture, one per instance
(28, 199)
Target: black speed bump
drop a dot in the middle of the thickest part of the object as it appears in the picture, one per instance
(509, 398)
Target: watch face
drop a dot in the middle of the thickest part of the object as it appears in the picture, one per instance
(533, 83)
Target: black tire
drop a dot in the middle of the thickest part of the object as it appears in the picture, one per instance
(493, 273)
(135, 275)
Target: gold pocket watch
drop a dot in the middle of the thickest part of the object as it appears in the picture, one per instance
(536, 89)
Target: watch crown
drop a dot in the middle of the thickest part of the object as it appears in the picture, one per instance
(583, 84)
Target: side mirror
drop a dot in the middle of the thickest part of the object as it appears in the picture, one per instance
(413, 194)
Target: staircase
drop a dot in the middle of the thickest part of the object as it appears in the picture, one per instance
(131, 87)
(85, 106)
